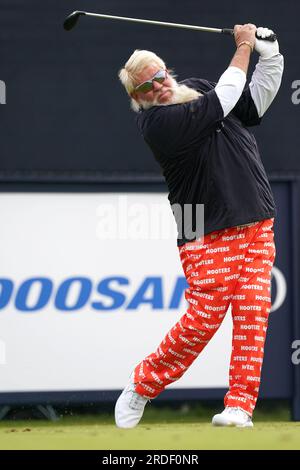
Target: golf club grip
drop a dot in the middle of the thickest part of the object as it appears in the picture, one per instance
(271, 38)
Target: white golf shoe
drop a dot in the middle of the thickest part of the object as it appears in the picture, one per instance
(130, 406)
(233, 416)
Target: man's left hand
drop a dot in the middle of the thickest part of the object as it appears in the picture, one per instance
(266, 49)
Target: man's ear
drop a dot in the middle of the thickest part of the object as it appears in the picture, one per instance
(134, 95)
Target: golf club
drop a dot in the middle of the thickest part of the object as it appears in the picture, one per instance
(73, 18)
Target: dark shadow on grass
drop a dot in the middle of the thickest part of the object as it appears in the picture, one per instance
(156, 412)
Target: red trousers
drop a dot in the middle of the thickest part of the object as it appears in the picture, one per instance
(229, 266)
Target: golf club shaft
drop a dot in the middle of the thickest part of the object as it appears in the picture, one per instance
(72, 19)
(160, 23)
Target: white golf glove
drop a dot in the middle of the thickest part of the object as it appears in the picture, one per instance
(266, 49)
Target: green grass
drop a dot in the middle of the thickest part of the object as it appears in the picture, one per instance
(281, 435)
(184, 428)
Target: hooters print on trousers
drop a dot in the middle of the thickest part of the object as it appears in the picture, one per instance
(229, 266)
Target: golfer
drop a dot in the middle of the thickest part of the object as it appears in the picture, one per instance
(198, 132)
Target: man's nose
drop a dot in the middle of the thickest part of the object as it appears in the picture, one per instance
(156, 85)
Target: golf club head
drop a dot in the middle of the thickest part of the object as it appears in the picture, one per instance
(72, 19)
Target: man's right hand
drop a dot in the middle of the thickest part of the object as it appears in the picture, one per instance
(243, 33)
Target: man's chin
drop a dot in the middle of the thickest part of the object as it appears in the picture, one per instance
(163, 100)
(166, 96)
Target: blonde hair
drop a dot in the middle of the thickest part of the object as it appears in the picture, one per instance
(134, 65)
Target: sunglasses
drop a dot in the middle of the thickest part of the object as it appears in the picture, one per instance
(146, 86)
